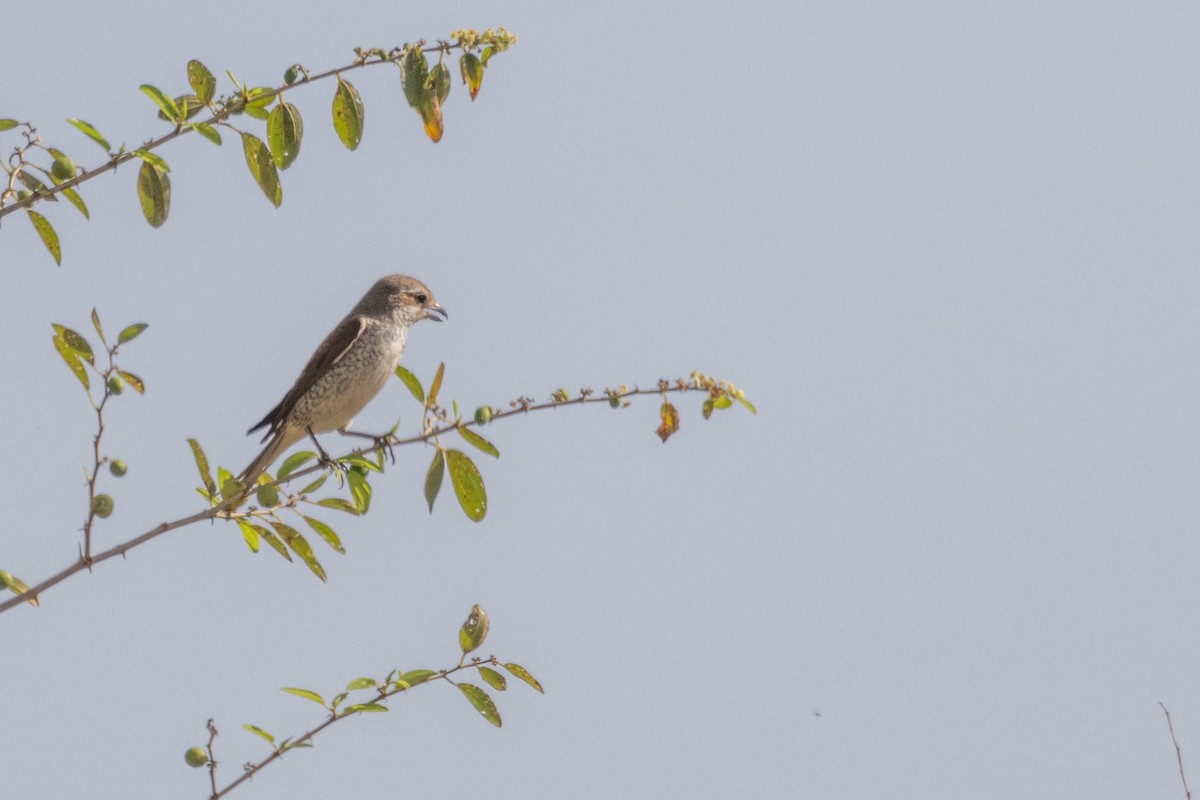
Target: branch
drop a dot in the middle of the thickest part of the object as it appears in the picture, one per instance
(1178, 754)
(227, 509)
(222, 109)
(471, 636)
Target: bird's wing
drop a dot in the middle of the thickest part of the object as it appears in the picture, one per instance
(328, 353)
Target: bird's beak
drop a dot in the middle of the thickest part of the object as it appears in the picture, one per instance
(433, 310)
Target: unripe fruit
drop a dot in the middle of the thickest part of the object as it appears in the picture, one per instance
(268, 496)
(23, 194)
(196, 756)
(118, 468)
(483, 415)
(290, 76)
(6, 579)
(102, 505)
(115, 385)
(63, 169)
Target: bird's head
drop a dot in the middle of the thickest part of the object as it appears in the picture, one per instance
(404, 296)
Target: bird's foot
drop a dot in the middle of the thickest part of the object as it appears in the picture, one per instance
(324, 459)
(384, 444)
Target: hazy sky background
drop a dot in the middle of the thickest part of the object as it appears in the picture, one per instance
(949, 250)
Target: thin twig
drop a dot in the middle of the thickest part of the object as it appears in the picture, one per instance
(1178, 754)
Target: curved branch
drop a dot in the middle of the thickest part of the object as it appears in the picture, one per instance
(383, 693)
(228, 510)
(220, 115)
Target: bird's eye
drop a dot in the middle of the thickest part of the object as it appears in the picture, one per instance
(421, 298)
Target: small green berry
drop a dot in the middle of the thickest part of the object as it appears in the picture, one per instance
(63, 169)
(483, 415)
(268, 496)
(196, 756)
(115, 385)
(102, 505)
(290, 75)
(118, 468)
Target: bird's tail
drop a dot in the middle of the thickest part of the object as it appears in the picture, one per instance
(279, 442)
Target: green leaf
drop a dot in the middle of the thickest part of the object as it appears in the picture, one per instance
(474, 630)
(262, 167)
(482, 702)
(202, 465)
(35, 185)
(131, 332)
(436, 386)
(348, 114)
(87, 130)
(414, 69)
(365, 707)
(294, 462)
(300, 546)
(472, 72)
(20, 587)
(133, 380)
(154, 193)
(361, 683)
(76, 342)
(189, 106)
(201, 80)
(486, 55)
(72, 358)
(326, 533)
(250, 535)
(273, 540)
(722, 402)
(433, 478)
(439, 82)
(520, 672)
(748, 405)
(230, 486)
(339, 504)
(412, 383)
(208, 132)
(152, 158)
(164, 103)
(478, 441)
(415, 677)
(493, 678)
(312, 487)
(360, 490)
(8, 124)
(305, 693)
(96, 325)
(707, 408)
(468, 484)
(284, 131)
(259, 732)
(258, 100)
(76, 201)
(46, 231)
(362, 461)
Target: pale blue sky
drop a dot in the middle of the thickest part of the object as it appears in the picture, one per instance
(949, 250)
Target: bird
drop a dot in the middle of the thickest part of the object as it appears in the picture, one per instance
(347, 370)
